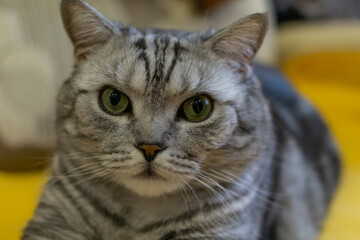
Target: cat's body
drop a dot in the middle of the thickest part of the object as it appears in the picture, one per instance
(260, 165)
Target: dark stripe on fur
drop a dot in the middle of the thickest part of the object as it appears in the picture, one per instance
(166, 44)
(33, 232)
(182, 233)
(82, 91)
(156, 44)
(85, 218)
(268, 231)
(160, 61)
(313, 130)
(169, 236)
(174, 60)
(311, 127)
(187, 215)
(117, 220)
(141, 45)
(49, 227)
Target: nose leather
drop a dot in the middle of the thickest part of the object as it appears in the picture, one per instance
(150, 150)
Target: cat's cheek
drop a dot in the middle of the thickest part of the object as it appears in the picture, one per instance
(222, 134)
(223, 139)
(226, 128)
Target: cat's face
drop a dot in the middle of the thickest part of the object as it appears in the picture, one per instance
(151, 111)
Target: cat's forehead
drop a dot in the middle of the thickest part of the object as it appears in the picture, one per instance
(158, 63)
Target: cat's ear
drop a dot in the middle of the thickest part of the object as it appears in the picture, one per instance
(240, 41)
(85, 26)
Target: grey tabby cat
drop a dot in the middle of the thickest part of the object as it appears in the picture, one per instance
(165, 134)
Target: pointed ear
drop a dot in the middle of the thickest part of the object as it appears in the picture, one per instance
(85, 26)
(241, 40)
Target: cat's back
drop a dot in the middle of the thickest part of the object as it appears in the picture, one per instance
(308, 158)
(297, 117)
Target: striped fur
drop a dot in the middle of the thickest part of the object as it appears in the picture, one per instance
(262, 166)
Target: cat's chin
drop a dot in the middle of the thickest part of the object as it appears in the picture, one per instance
(150, 187)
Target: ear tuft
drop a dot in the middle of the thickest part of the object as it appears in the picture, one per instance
(85, 26)
(241, 40)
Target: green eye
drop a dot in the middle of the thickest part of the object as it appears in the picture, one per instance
(114, 101)
(197, 108)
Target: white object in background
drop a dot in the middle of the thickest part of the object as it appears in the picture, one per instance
(35, 58)
(26, 88)
(9, 29)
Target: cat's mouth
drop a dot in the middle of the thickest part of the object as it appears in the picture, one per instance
(151, 182)
(149, 173)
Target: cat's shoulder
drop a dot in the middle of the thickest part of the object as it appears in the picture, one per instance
(291, 109)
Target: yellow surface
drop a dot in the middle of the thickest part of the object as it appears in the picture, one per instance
(18, 197)
(330, 80)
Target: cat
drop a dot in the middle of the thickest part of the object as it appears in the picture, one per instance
(164, 134)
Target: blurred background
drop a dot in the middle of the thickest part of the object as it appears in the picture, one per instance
(315, 43)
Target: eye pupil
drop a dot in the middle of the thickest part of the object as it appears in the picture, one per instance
(114, 102)
(115, 97)
(198, 105)
(196, 109)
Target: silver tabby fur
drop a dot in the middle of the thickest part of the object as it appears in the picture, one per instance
(260, 167)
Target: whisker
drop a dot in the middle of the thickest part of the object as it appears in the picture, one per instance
(261, 194)
(218, 197)
(266, 193)
(202, 225)
(226, 191)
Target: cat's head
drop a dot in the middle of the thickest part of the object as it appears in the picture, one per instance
(154, 110)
